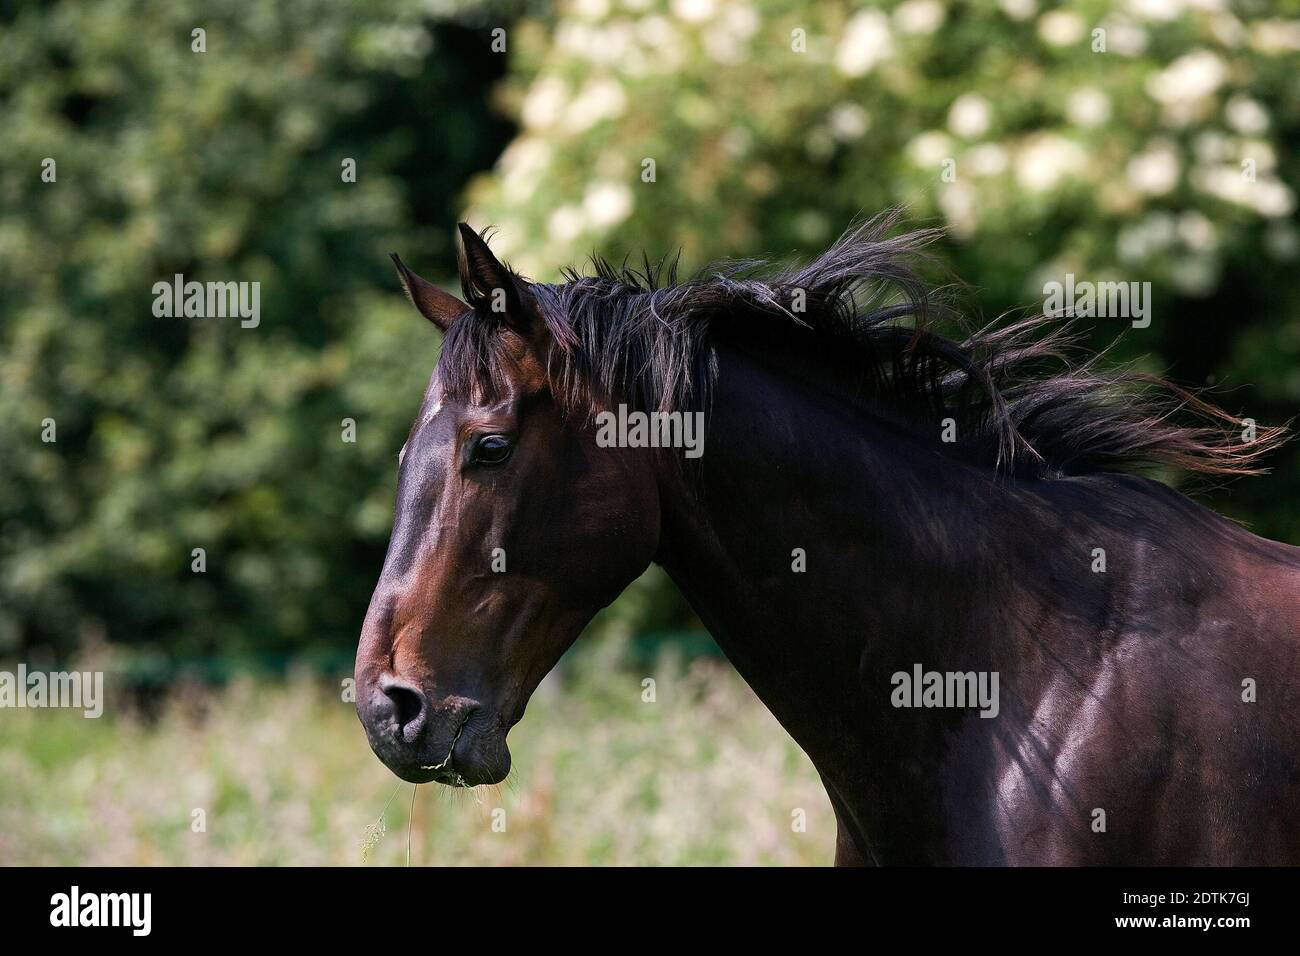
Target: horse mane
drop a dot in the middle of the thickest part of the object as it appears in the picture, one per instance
(1021, 395)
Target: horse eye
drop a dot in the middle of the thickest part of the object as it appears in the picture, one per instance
(492, 450)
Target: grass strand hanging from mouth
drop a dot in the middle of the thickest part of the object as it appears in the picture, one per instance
(375, 831)
(410, 822)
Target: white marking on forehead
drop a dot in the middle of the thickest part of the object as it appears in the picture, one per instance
(433, 397)
(434, 408)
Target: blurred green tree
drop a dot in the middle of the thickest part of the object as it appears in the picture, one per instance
(177, 434)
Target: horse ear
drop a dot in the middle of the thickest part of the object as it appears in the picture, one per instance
(482, 275)
(440, 308)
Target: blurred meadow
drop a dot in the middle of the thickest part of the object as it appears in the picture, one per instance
(282, 774)
(1132, 140)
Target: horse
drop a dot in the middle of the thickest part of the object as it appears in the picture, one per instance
(939, 558)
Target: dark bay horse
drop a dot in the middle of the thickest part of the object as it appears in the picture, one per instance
(933, 558)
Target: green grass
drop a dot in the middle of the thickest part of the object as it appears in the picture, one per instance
(704, 775)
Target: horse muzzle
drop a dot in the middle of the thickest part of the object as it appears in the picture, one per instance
(452, 740)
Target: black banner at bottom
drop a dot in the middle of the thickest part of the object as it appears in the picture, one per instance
(330, 906)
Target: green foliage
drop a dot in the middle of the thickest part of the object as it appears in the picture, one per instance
(176, 434)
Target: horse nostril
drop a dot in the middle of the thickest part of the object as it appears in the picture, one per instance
(408, 709)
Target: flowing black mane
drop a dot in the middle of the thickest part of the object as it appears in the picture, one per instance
(1018, 396)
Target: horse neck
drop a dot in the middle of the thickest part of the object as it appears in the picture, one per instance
(895, 537)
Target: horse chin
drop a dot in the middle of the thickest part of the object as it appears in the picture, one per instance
(472, 773)
(479, 774)
(477, 759)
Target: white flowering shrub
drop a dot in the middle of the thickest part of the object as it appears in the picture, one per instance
(1144, 135)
